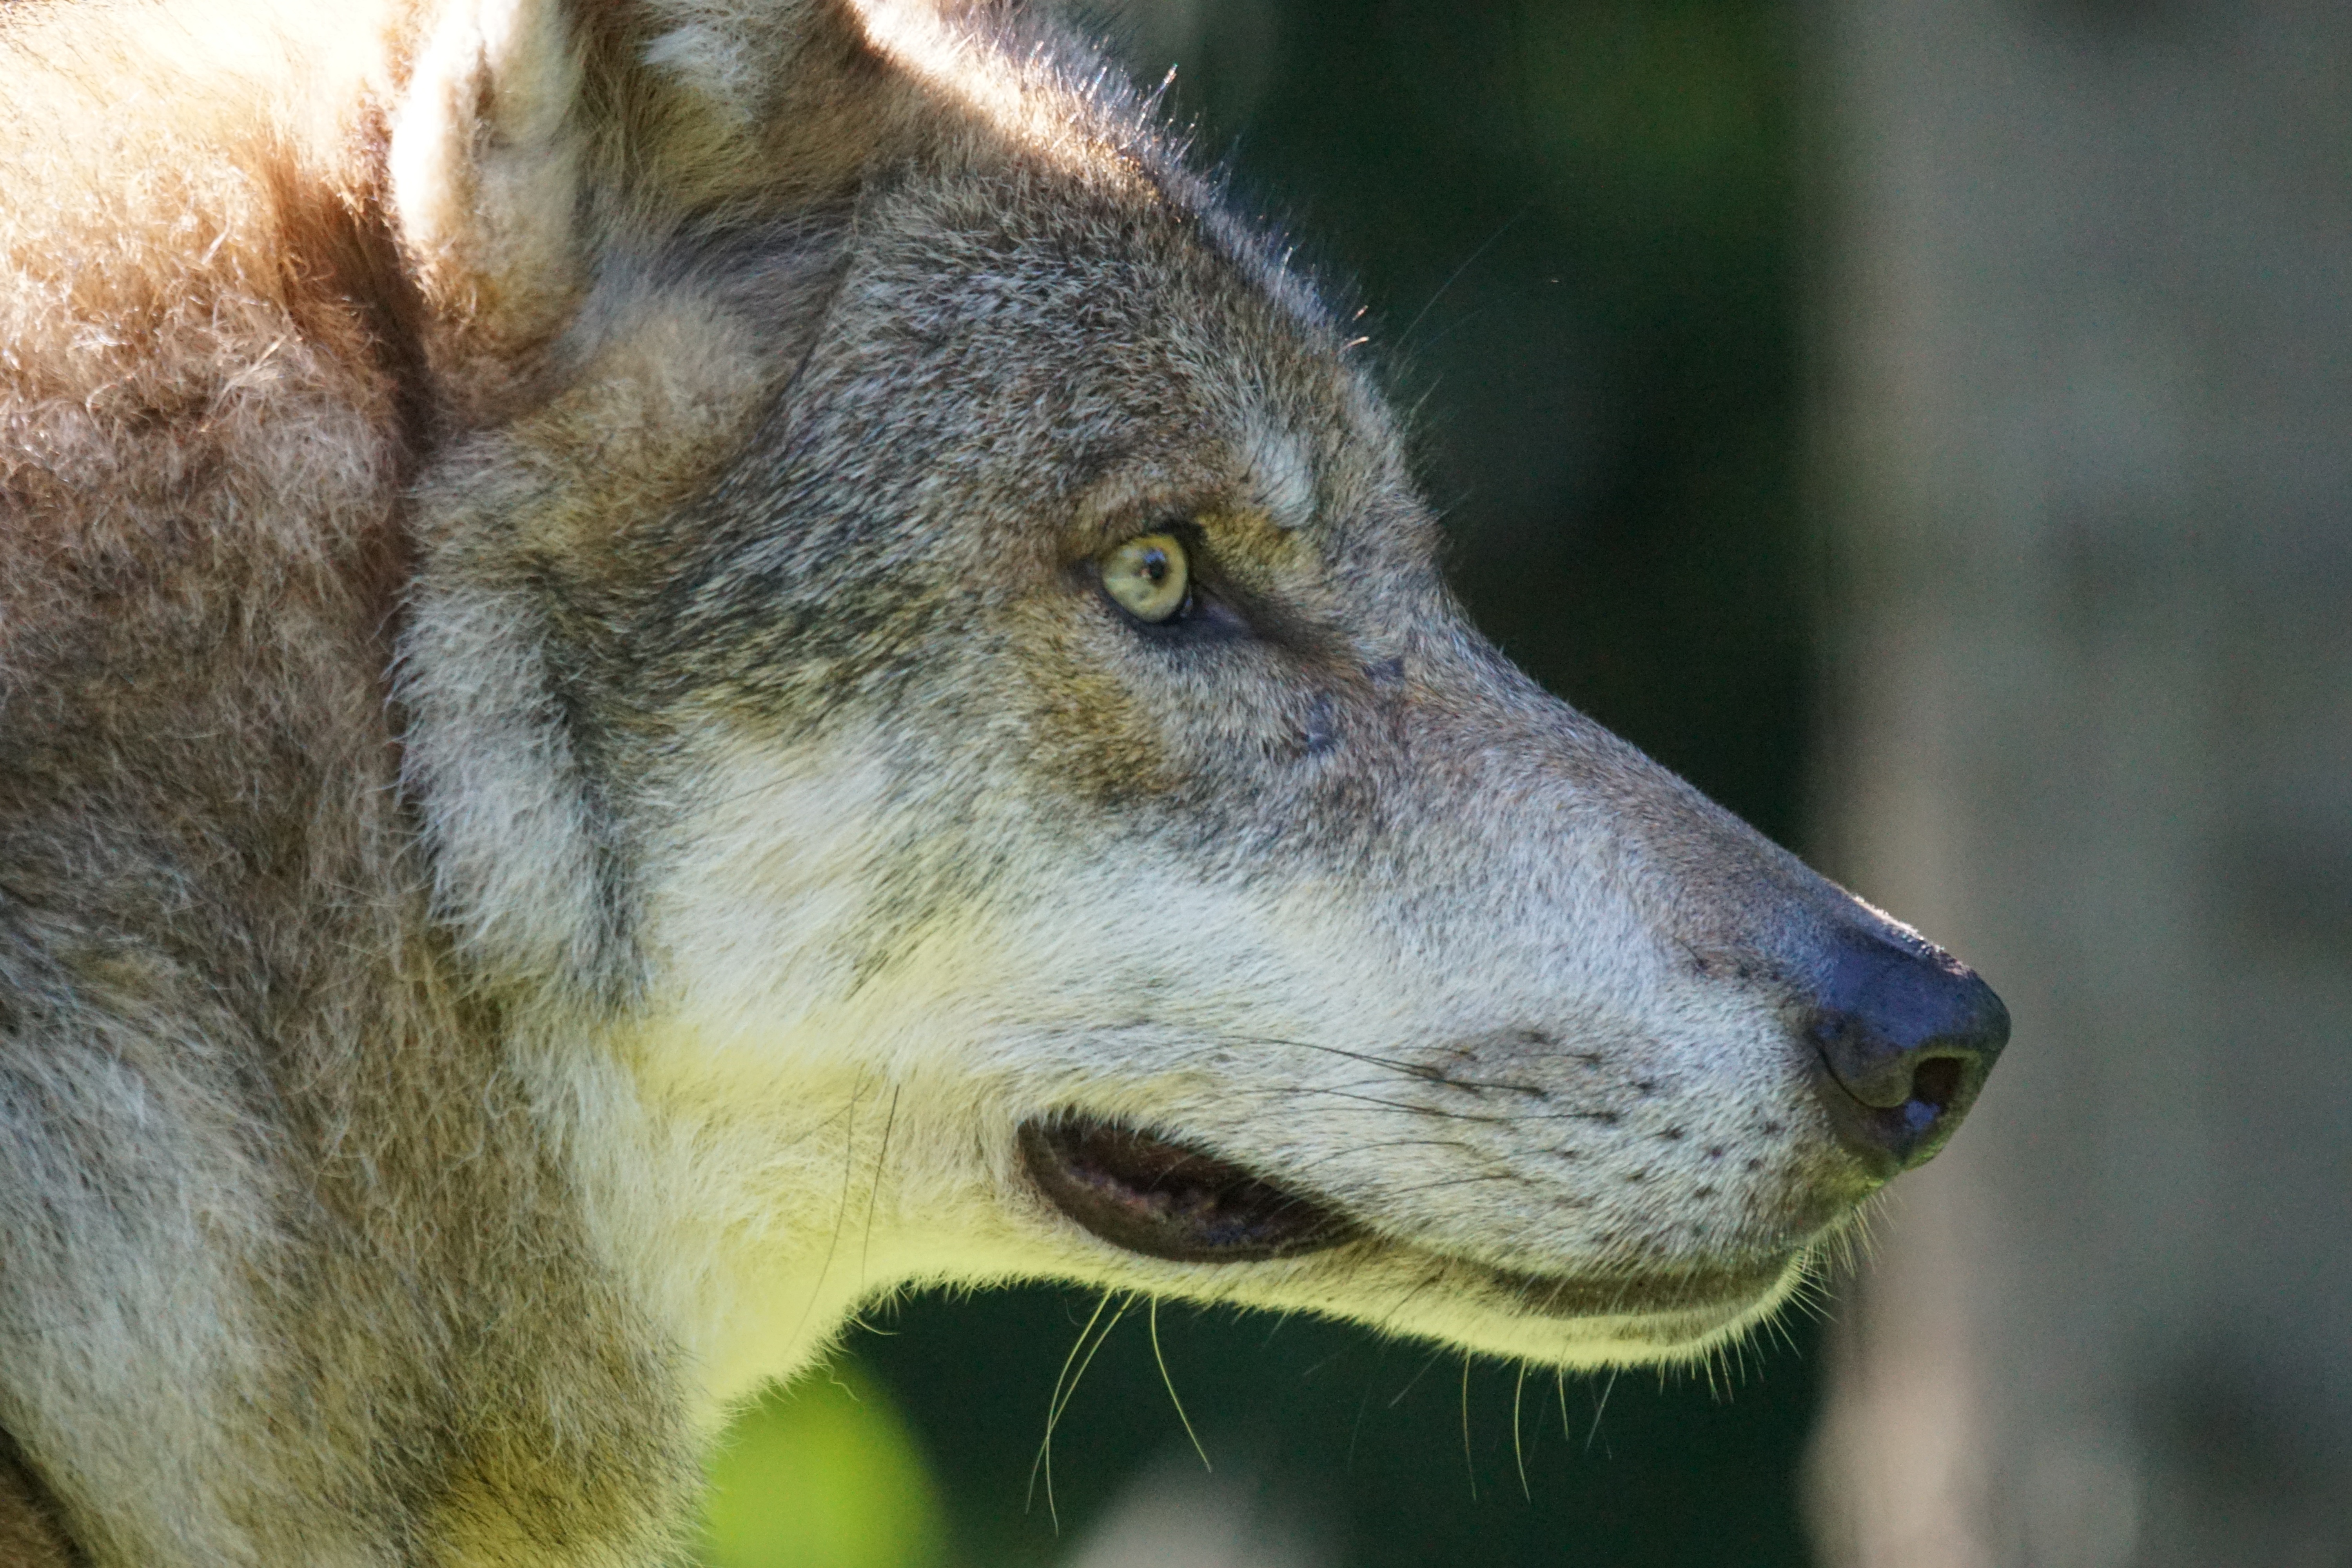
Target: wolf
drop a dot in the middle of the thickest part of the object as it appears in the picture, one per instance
(666, 665)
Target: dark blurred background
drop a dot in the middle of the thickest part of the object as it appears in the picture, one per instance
(1571, 222)
(2085, 436)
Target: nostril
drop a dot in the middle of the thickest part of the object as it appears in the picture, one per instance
(1937, 1081)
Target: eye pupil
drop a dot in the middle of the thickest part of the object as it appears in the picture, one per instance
(1147, 577)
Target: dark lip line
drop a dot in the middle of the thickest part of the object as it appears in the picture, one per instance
(1718, 1292)
(1570, 1297)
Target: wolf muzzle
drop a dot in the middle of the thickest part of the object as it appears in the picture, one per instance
(1899, 1036)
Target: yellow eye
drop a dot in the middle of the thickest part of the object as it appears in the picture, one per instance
(1147, 576)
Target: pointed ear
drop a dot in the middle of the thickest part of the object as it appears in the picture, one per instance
(532, 135)
(488, 165)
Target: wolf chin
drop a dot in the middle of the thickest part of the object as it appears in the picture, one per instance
(668, 665)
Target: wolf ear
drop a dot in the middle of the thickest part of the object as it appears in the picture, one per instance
(487, 165)
(530, 134)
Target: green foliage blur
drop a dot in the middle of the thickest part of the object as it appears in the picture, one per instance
(824, 1474)
(1573, 226)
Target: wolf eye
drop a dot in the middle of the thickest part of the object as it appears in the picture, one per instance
(1148, 576)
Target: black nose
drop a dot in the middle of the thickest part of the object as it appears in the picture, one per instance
(1906, 1034)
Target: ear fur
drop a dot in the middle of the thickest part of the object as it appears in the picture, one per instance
(488, 163)
(534, 138)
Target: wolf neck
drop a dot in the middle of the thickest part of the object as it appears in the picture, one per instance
(750, 1238)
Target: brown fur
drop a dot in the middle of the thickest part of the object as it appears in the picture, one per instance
(30, 1535)
(211, 401)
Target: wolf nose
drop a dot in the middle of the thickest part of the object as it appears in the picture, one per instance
(1906, 1034)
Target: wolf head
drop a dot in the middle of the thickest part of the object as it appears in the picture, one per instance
(939, 723)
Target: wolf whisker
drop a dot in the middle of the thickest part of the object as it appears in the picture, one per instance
(1469, 1464)
(841, 1209)
(1066, 1387)
(1169, 1383)
(1519, 1452)
(874, 1193)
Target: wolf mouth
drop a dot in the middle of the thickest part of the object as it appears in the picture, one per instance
(1172, 1200)
(1169, 1200)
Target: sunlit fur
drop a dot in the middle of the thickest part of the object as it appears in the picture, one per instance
(565, 784)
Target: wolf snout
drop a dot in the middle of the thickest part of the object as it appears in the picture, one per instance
(1905, 1035)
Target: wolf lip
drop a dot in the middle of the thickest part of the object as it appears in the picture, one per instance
(1701, 1294)
(1165, 1199)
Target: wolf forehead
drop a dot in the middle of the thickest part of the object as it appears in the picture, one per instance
(1048, 331)
(1016, 365)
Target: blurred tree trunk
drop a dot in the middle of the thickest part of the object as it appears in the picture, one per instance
(2086, 343)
